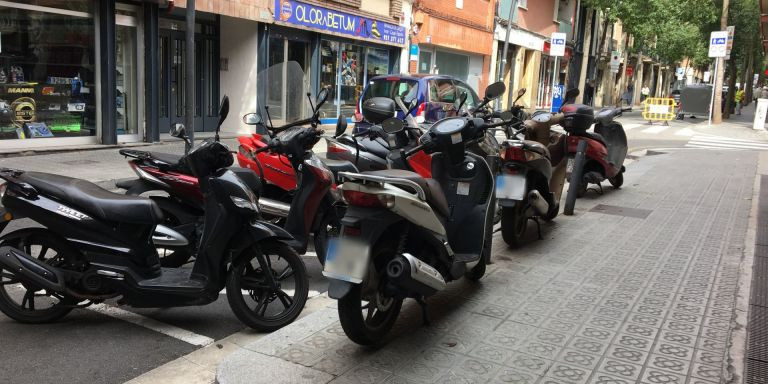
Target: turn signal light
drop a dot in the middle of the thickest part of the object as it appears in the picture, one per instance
(333, 148)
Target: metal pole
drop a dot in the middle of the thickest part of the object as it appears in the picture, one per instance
(503, 61)
(712, 102)
(189, 77)
(555, 78)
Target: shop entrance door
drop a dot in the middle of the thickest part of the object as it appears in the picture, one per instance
(283, 50)
(172, 83)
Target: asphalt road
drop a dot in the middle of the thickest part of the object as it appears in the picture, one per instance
(90, 347)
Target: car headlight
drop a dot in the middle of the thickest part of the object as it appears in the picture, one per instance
(244, 204)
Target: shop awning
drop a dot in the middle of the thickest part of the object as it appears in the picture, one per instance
(521, 37)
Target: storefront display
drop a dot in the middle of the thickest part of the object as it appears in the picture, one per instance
(47, 73)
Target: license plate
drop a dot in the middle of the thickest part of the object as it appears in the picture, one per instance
(569, 166)
(510, 187)
(346, 259)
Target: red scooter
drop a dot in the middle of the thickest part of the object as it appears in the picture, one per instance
(593, 157)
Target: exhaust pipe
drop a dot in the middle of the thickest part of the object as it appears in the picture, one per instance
(415, 275)
(538, 203)
(168, 237)
(274, 207)
(31, 269)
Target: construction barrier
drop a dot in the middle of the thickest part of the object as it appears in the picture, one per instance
(659, 109)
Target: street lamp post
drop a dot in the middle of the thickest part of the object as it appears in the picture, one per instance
(189, 73)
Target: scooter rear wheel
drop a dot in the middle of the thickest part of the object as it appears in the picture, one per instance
(26, 302)
(257, 302)
(513, 226)
(617, 181)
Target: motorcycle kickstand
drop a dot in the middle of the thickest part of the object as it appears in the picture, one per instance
(600, 190)
(424, 312)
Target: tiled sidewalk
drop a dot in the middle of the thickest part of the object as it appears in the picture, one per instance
(606, 298)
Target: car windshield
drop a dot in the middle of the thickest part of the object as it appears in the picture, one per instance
(391, 87)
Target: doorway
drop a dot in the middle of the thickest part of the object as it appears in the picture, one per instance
(171, 77)
(282, 101)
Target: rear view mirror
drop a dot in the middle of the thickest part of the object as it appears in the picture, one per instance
(392, 125)
(521, 92)
(462, 100)
(570, 96)
(252, 119)
(495, 90)
(322, 97)
(178, 131)
(223, 109)
(341, 126)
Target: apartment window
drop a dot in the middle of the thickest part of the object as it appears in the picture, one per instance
(522, 3)
(460, 4)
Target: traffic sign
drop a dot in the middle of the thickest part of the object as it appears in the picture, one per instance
(615, 61)
(729, 46)
(557, 98)
(718, 44)
(557, 44)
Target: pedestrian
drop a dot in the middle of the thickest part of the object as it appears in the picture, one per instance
(588, 90)
(739, 98)
(644, 93)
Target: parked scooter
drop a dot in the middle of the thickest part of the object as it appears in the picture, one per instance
(407, 236)
(314, 206)
(532, 175)
(98, 245)
(602, 153)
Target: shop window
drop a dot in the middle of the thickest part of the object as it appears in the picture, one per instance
(452, 64)
(425, 62)
(47, 70)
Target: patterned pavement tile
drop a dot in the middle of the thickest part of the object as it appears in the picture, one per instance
(537, 348)
(604, 322)
(630, 355)
(363, 375)
(476, 369)
(709, 357)
(513, 376)
(673, 350)
(503, 340)
(528, 363)
(593, 332)
(602, 378)
(551, 337)
(457, 344)
(655, 376)
(707, 372)
(682, 327)
(560, 325)
(568, 373)
(639, 330)
(633, 342)
(669, 364)
(621, 369)
(419, 372)
(588, 345)
(579, 358)
(711, 344)
(491, 353)
(529, 318)
(437, 357)
(678, 338)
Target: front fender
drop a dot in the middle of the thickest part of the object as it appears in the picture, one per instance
(257, 232)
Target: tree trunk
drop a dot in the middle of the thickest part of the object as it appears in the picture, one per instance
(586, 46)
(717, 116)
(749, 74)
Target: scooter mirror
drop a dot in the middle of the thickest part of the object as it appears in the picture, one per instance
(223, 109)
(341, 126)
(570, 96)
(392, 125)
(252, 119)
(495, 90)
(178, 130)
(521, 92)
(507, 115)
(322, 97)
(462, 100)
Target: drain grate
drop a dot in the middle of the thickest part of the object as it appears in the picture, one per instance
(757, 372)
(621, 211)
(760, 282)
(654, 153)
(79, 162)
(757, 341)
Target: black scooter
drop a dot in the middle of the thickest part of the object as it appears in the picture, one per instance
(98, 245)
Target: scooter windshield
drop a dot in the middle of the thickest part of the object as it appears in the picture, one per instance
(286, 86)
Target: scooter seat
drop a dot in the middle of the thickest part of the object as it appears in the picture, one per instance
(337, 166)
(167, 158)
(432, 190)
(94, 200)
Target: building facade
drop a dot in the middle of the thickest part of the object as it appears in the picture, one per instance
(453, 37)
(107, 72)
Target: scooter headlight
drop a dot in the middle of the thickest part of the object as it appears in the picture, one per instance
(244, 204)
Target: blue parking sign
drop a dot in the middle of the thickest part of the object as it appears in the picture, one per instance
(557, 98)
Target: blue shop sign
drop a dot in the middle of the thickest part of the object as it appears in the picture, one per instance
(557, 98)
(297, 13)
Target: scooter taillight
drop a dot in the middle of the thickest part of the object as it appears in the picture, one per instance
(362, 199)
(420, 116)
(334, 148)
(514, 153)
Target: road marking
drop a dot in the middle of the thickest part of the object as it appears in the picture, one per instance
(655, 129)
(629, 126)
(152, 324)
(716, 142)
(685, 132)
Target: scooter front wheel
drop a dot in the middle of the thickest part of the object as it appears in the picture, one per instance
(617, 181)
(267, 286)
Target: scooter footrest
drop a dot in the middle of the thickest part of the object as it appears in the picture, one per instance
(465, 257)
(174, 279)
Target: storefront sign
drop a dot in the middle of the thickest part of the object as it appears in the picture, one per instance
(23, 111)
(298, 13)
(557, 99)
(630, 71)
(557, 45)
(414, 52)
